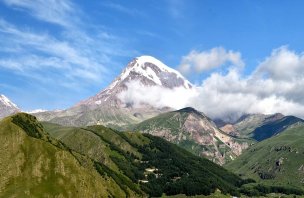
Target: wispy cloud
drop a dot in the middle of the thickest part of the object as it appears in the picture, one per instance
(121, 8)
(38, 51)
(176, 8)
(71, 54)
(60, 12)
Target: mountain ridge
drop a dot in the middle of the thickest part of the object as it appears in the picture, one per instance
(195, 132)
(260, 126)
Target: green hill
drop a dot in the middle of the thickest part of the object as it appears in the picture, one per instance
(33, 164)
(278, 160)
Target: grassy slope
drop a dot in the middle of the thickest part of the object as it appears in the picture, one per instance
(277, 160)
(35, 165)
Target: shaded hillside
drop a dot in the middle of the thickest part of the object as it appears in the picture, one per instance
(273, 128)
(246, 124)
(278, 160)
(195, 132)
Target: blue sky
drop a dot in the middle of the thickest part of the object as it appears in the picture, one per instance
(56, 53)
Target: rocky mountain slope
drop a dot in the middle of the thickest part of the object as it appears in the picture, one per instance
(7, 107)
(195, 132)
(109, 109)
(277, 160)
(53, 161)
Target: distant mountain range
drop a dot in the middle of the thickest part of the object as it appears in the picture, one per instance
(260, 126)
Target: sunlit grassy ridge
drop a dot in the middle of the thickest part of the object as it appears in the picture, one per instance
(35, 165)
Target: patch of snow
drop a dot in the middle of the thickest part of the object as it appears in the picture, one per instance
(149, 59)
(138, 67)
(98, 102)
(58, 110)
(37, 111)
(7, 102)
(148, 73)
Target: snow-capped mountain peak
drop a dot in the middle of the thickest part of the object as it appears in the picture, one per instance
(153, 70)
(121, 103)
(5, 101)
(145, 70)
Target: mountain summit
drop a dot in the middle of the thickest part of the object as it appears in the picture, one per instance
(7, 107)
(109, 109)
(146, 70)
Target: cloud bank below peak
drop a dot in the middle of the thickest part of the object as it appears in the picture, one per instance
(275, 86)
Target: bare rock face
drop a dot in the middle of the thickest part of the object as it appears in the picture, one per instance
(230, 130)
(7, 107)
(195, 132)
(109, 109)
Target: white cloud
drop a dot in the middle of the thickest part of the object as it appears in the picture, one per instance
(282, 65)
(207, 60)
(275, 86)
(157, 96)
